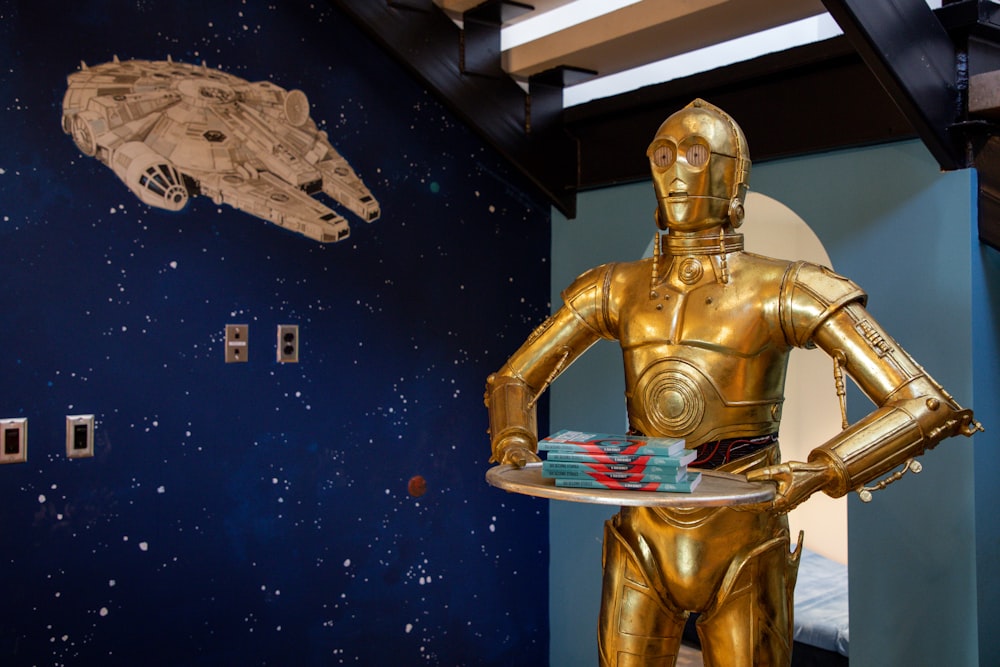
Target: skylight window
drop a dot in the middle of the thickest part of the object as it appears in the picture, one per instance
(558, 19)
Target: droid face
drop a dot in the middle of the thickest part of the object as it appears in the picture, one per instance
(698, 161)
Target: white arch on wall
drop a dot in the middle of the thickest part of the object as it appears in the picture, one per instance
(811, 413)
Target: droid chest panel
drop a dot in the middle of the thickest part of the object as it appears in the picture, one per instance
(698, 303)
(704, 359)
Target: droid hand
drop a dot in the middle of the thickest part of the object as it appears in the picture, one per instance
(519, 457)
(516, 450)
(796, 482)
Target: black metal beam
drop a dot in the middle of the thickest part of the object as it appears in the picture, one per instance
(481, 36)
(914, 58)
(988, 172)
(428, 43)
(974, 26)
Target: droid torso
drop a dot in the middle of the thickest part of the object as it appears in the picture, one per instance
(703, 346)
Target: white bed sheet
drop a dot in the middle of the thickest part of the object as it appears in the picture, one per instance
(821, 617)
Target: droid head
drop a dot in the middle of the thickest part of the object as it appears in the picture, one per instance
(700, 166)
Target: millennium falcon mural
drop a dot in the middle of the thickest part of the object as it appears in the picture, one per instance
(171, 131)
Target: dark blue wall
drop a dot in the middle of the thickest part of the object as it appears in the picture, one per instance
(258, 514)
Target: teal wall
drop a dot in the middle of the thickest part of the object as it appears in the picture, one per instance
(612, 224)
(891, 221)
(906, 232)
(986, 385)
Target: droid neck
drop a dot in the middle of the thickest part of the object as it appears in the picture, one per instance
(715, 245)
(718, 242)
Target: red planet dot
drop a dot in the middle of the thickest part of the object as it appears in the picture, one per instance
(417, 486)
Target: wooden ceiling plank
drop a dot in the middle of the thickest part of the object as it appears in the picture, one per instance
(650, 31)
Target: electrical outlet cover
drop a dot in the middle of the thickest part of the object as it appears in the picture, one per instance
(79, 436)
(237, 343)
(14, 440)
(288, 343)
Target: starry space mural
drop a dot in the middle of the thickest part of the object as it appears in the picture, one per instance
(331, 511)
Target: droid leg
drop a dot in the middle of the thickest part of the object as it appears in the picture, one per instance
(749, 624)
(637, 628)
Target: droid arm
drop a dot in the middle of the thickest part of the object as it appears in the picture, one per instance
(914, 413)
(512, 391)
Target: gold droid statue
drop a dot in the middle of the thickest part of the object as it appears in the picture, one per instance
(705, 331)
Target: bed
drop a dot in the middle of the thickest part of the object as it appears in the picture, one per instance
(821, 630)
(822, 633)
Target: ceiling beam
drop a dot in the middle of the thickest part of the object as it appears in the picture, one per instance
(911, 54)
(456, 8)
(652, 30)
(934, 64)
(974, 26)
(988, 191)
(481, 35)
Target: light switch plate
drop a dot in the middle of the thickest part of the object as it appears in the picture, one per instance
(79, 436)
(237, 343)
(14, 440)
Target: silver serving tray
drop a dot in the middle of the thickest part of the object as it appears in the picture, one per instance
(717, 489)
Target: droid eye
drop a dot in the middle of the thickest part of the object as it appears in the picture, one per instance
(664, 155)
(697, 155)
